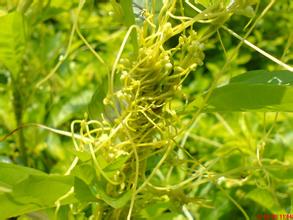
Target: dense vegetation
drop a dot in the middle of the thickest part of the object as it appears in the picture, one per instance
(146, 109)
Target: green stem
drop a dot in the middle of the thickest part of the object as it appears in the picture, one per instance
(18, 112)
(24, 5)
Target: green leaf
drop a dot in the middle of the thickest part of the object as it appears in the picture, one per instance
(115, 202)
(260, 90)
(75, 105)
(83, 155)
(96, 106)
(117, 163)
(85, 172)
(155, 209)
(12, 174)
(128, 18)
(24, 190)
(124, 11)
(27, 190)
(281, 77)
(12, 41)
(266, 200)
(82, 191)
(286, 174)
(43, 190)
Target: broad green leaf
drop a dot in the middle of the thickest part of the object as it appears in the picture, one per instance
(82, 191)
(12, 41)
(85, 172)
(282, 77)
(253, 91)
(27, 190)
(43, 190)
(248, 97)
(10, 208)
(266, 200)
(12, 174)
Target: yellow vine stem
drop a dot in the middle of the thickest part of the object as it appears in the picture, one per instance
(251, 19)
(260, 147)
(264, 53)
(225, 124)
(158, 165)
(221, 42)
(99, 58)
(58, 201)
(72, 134)
(111, 79)
(261, 51)
(201, 172)
(99, 167)
(234, 202)
(71, 167)
(136, 178)
(227, 63)
(68, 50)
(56, 131)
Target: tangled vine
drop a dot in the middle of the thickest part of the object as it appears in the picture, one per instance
(145, 123)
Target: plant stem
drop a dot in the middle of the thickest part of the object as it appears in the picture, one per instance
(18, 112)
(24, 5)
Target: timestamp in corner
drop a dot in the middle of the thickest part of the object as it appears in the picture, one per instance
(274, 216)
